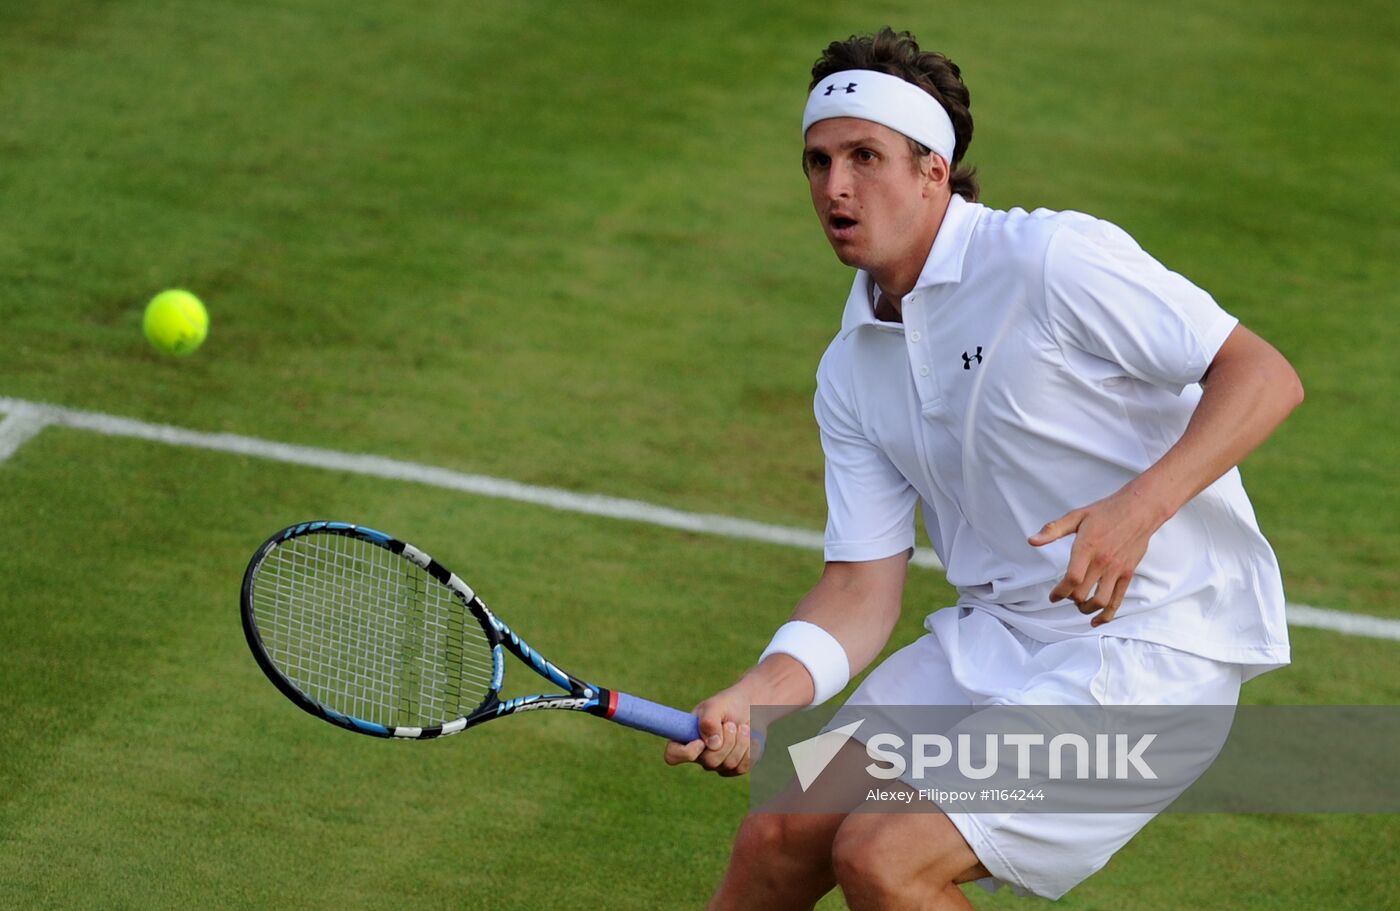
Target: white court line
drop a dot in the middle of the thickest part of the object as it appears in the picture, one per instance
(33, 416)
(21, 423)
(1342, 622)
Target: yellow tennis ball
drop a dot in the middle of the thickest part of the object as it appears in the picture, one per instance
(176, 322)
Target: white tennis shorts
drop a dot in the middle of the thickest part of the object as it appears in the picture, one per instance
(970, 658)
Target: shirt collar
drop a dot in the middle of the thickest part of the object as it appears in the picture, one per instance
(944, 265)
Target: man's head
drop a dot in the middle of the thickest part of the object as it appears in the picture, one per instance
(898, 54)
(877, 189)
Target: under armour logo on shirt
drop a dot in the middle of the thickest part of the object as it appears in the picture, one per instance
(850, 88)
(969, 358)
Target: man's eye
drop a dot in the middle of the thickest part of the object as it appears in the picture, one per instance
(865, 155)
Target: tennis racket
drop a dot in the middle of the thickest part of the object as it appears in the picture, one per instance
(369, 633)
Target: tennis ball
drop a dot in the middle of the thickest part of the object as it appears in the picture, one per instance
(176, 322)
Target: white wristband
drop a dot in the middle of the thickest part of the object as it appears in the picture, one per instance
(816, 650)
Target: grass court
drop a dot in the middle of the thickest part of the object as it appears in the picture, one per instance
(570, 245)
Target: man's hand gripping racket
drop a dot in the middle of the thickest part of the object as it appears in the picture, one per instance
(371, 634)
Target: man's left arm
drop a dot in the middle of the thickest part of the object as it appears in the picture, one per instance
(1249, 388)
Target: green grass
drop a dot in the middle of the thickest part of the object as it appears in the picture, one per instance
(569, 244)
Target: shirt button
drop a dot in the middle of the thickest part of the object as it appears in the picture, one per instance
(923, 371)
(914, 336)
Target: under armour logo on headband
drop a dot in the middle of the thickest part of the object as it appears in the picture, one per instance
(884, 99)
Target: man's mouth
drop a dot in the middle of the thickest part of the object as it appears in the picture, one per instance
(842, 226)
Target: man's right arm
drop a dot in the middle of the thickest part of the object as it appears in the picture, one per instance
(857, 603)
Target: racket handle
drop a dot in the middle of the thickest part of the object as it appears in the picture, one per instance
(654, 718)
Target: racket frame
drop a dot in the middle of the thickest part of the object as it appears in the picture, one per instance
(578, 695)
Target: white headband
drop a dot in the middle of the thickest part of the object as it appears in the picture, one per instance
(886, 100)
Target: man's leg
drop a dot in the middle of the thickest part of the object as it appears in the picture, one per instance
(782, 855)
(780, 861)
(790, 860)
(903, 860)
(785, 860)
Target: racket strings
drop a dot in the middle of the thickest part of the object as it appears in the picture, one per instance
(367, 633)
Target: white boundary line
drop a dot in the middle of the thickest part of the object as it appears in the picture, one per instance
(25, 419)
(1343, 622)
(22, 422)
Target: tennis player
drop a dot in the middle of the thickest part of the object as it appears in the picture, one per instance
(1067, 414)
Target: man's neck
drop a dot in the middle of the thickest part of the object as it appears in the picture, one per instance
(887, 309)
(892, 284)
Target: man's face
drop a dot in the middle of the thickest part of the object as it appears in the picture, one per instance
(873, 200)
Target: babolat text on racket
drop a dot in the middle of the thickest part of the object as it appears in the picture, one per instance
(371, 634)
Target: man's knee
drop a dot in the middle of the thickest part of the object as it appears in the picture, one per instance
(861, 863)
(878, 857)
(765, 836)
(760, 835)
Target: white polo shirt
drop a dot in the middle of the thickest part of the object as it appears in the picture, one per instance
(1044, 361)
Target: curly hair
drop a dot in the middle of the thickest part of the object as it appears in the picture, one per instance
(898, 54)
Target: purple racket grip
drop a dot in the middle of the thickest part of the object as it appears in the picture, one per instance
(654, 718)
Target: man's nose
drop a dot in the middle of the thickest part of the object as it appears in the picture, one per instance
(838, 181)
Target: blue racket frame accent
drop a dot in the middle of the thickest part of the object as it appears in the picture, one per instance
(579, 696)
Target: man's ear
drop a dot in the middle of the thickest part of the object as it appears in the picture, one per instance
(936, 173)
